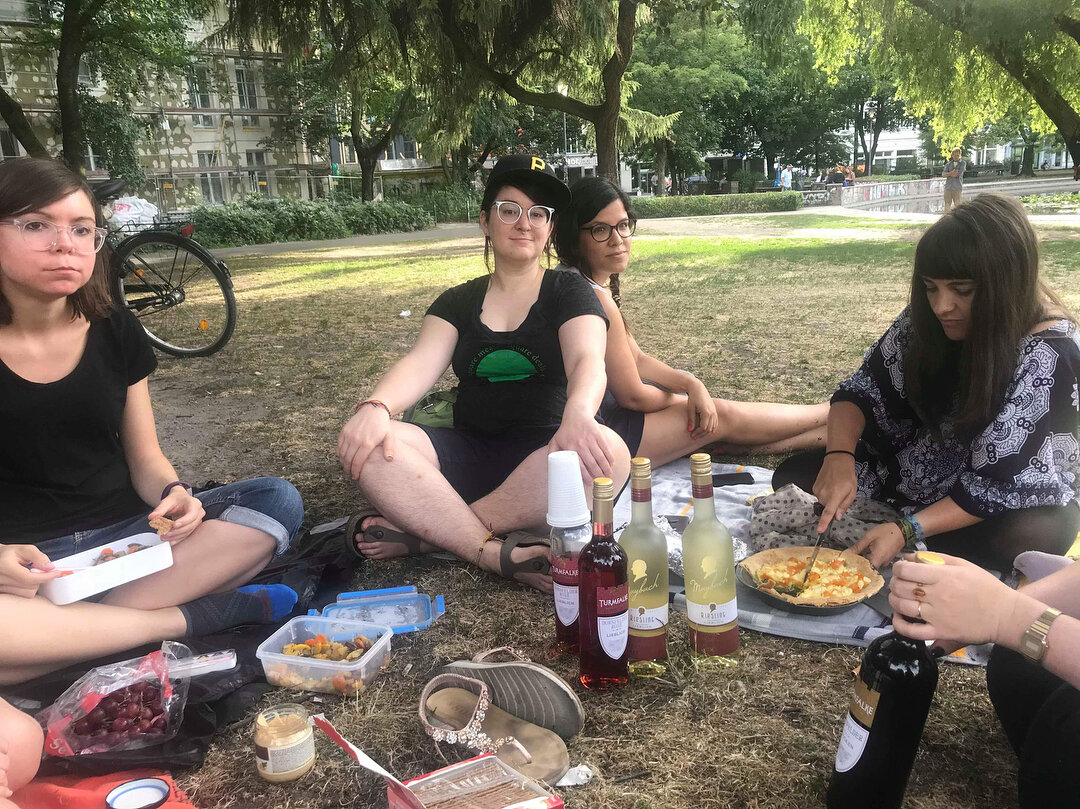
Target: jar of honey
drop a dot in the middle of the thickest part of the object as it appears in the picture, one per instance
(284, 743)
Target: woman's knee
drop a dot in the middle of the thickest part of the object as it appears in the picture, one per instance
(24, 740)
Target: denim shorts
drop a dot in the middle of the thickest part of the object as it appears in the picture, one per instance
(270, 505)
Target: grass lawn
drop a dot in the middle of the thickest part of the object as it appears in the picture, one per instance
(778, 319)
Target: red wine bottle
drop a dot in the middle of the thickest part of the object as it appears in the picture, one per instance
(885, 720)
(604, 616)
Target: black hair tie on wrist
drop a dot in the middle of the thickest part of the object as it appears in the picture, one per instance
(841, 451)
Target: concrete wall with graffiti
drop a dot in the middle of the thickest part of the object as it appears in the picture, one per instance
(874, 193)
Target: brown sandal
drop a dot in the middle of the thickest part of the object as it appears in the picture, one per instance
(457, 716)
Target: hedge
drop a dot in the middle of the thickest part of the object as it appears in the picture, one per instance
(449, 204)
(656, 207)
(258, 220)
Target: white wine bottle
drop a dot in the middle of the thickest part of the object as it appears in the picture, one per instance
(709, 570)
(647, 552)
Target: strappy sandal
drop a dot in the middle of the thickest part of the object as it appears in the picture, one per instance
(509, 569)
(525, 689)
(450, 713)
(377, 533)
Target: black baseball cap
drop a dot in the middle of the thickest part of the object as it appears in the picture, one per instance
(526, 168)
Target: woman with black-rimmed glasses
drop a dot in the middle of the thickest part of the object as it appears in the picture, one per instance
(661, 413)
(527, 346)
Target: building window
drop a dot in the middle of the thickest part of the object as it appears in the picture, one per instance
(247, 94)
(86, 75)
(9, 148)
(348, 152)
(213, 189)
(410, 149)
(198, 85)
(258, 180)
(92, 161)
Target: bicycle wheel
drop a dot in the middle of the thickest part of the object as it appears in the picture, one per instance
(181, 294)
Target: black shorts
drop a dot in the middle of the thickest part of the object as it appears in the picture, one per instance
(476, 464)
(627, 424)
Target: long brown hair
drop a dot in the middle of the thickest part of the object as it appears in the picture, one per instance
(990, 242)
(29, 184)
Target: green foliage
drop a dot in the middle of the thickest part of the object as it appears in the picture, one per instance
(257, 220)
(1045, 203)
(906, 165)
(453, 203)
(657, 207)
(961, 65)
(114, 132)
(748, 180)
(886, 178)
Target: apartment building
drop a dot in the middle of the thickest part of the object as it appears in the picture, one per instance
(207, 130)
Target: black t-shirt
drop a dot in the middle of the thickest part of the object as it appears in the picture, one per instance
(62, 466)
(514, 380)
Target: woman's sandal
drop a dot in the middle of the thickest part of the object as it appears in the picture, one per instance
(525, 689)
(458, 716)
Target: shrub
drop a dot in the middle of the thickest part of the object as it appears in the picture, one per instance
(383, 217)
(655, 207)
(748, 180)
(258, 220)
(454, 203)
(1050, 203)
(886, 178)
(230, 225)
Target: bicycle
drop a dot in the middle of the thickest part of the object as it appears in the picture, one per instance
(182, 295)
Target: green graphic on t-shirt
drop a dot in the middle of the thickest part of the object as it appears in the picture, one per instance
(506, 365)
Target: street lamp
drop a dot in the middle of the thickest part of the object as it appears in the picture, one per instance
(562, 88)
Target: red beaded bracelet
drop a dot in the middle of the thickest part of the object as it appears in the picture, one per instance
(373, 403)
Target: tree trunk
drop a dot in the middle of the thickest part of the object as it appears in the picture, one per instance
(1027, 166)
(770, 167)
(368, 162)
(17, 122)
(660, 144)
(607, 142)
(67, 88)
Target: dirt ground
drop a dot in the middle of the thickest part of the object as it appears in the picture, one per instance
(756, 317)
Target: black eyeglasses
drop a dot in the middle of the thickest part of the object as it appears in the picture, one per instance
(601, 231)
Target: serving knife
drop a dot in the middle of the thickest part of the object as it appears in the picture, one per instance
(819, 509)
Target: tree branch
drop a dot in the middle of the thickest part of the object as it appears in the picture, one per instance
(15, 118)
(506, 83)
(1069, 25)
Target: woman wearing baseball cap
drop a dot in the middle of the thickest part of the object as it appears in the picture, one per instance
(527, 346)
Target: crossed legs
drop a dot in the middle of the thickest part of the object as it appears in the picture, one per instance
(413, 496)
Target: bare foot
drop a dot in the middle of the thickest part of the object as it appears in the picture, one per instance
(386, 549)
(538, 581)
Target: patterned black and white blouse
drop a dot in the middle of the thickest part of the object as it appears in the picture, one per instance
(1028, 456)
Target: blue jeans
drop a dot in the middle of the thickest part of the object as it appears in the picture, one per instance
(270, 505)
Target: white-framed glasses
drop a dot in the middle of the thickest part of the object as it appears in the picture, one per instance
(510, 212)
(601, 231)
(41, 234)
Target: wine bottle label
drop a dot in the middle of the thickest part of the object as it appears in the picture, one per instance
(712, 614)
(645, 618)
(612, 619)
(564, 577)
(860, 717)
(852, 744)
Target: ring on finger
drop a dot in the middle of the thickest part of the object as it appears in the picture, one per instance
(918, 611)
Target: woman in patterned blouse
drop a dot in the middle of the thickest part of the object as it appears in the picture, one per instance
(964, 414)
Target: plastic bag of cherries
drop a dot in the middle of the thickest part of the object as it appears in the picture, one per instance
(124, 706)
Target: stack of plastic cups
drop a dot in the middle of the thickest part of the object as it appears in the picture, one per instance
(571, 529)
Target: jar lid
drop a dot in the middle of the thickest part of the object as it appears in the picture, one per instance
(142, 793)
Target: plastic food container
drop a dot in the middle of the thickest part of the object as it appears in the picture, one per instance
(325, 676)
(400, 608)
(94, 579)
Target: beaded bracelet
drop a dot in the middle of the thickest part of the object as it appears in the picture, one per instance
(373, 403)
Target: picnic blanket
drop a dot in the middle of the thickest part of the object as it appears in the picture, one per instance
(855, 627)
